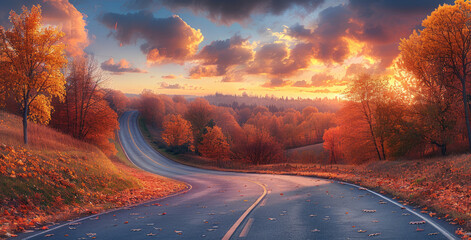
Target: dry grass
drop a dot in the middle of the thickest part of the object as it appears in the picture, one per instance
(39, 136)
(57, 177)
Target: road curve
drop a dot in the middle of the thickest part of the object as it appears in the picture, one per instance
(226, 205)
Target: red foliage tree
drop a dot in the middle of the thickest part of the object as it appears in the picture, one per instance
(258, 147)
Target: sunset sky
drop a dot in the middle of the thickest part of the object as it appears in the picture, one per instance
(306, 48)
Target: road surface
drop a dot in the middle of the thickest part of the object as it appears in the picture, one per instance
(225, 205)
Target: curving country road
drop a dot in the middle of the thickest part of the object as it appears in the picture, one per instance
(226, 205)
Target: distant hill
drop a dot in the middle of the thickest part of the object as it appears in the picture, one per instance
(323, 104)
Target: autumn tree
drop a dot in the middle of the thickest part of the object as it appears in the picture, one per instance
(258, 147)
(117, 100)
(199, 114)
(85, 114)
(446, 36)
(332, 144)
(152, 108)
(365, 93)
(214, 144)
(31, 60)
(433, 104)
(177, 133)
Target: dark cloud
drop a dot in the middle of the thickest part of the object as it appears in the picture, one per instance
(276, 82)
(228, 11)
(378, 23)
(58, 12)
(120, 67)
(166, 40)
(219, 57)
(277, 60)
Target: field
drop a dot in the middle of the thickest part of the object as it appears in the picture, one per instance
(57, 177)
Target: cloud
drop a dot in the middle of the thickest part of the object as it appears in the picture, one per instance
(164, 85)
(277, 60)
(242, 89)
(166, 40)
(378, 24)
(220, 56)
(123, 66)
(301, 83)
(55, 12)
(322, 79)
(171, 76)
(276, 82)
(228, 11)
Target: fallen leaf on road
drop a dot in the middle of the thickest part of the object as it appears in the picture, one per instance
(373, 234)
(136, 230)
(369, 211)
(361, 231)
(151, 234)
(179, 232)
(315, 230)
(417, 222)
(272, 219)
(49, 235)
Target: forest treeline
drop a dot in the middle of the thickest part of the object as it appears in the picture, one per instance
(274, 103)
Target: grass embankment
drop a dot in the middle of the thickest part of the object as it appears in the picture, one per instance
(57, 177)
(440, 186)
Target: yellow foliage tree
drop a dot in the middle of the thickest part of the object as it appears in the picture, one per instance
(31, 60)
(177, 131)
(446, 37)
(214, 144)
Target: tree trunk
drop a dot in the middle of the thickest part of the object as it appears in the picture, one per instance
(443, 149)
(466, 112)
(25, 123)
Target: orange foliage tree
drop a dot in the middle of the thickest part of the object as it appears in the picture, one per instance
(177, 133)
(31, 60)
(214, 144)
(85, 114)
(445, 37)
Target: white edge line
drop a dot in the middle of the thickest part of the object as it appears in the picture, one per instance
(189, 187)
(234, 227)
(426, 219)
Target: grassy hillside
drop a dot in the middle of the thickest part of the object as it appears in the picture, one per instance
(57, 177)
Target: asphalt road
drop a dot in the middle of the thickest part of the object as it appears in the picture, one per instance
(225, 205)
